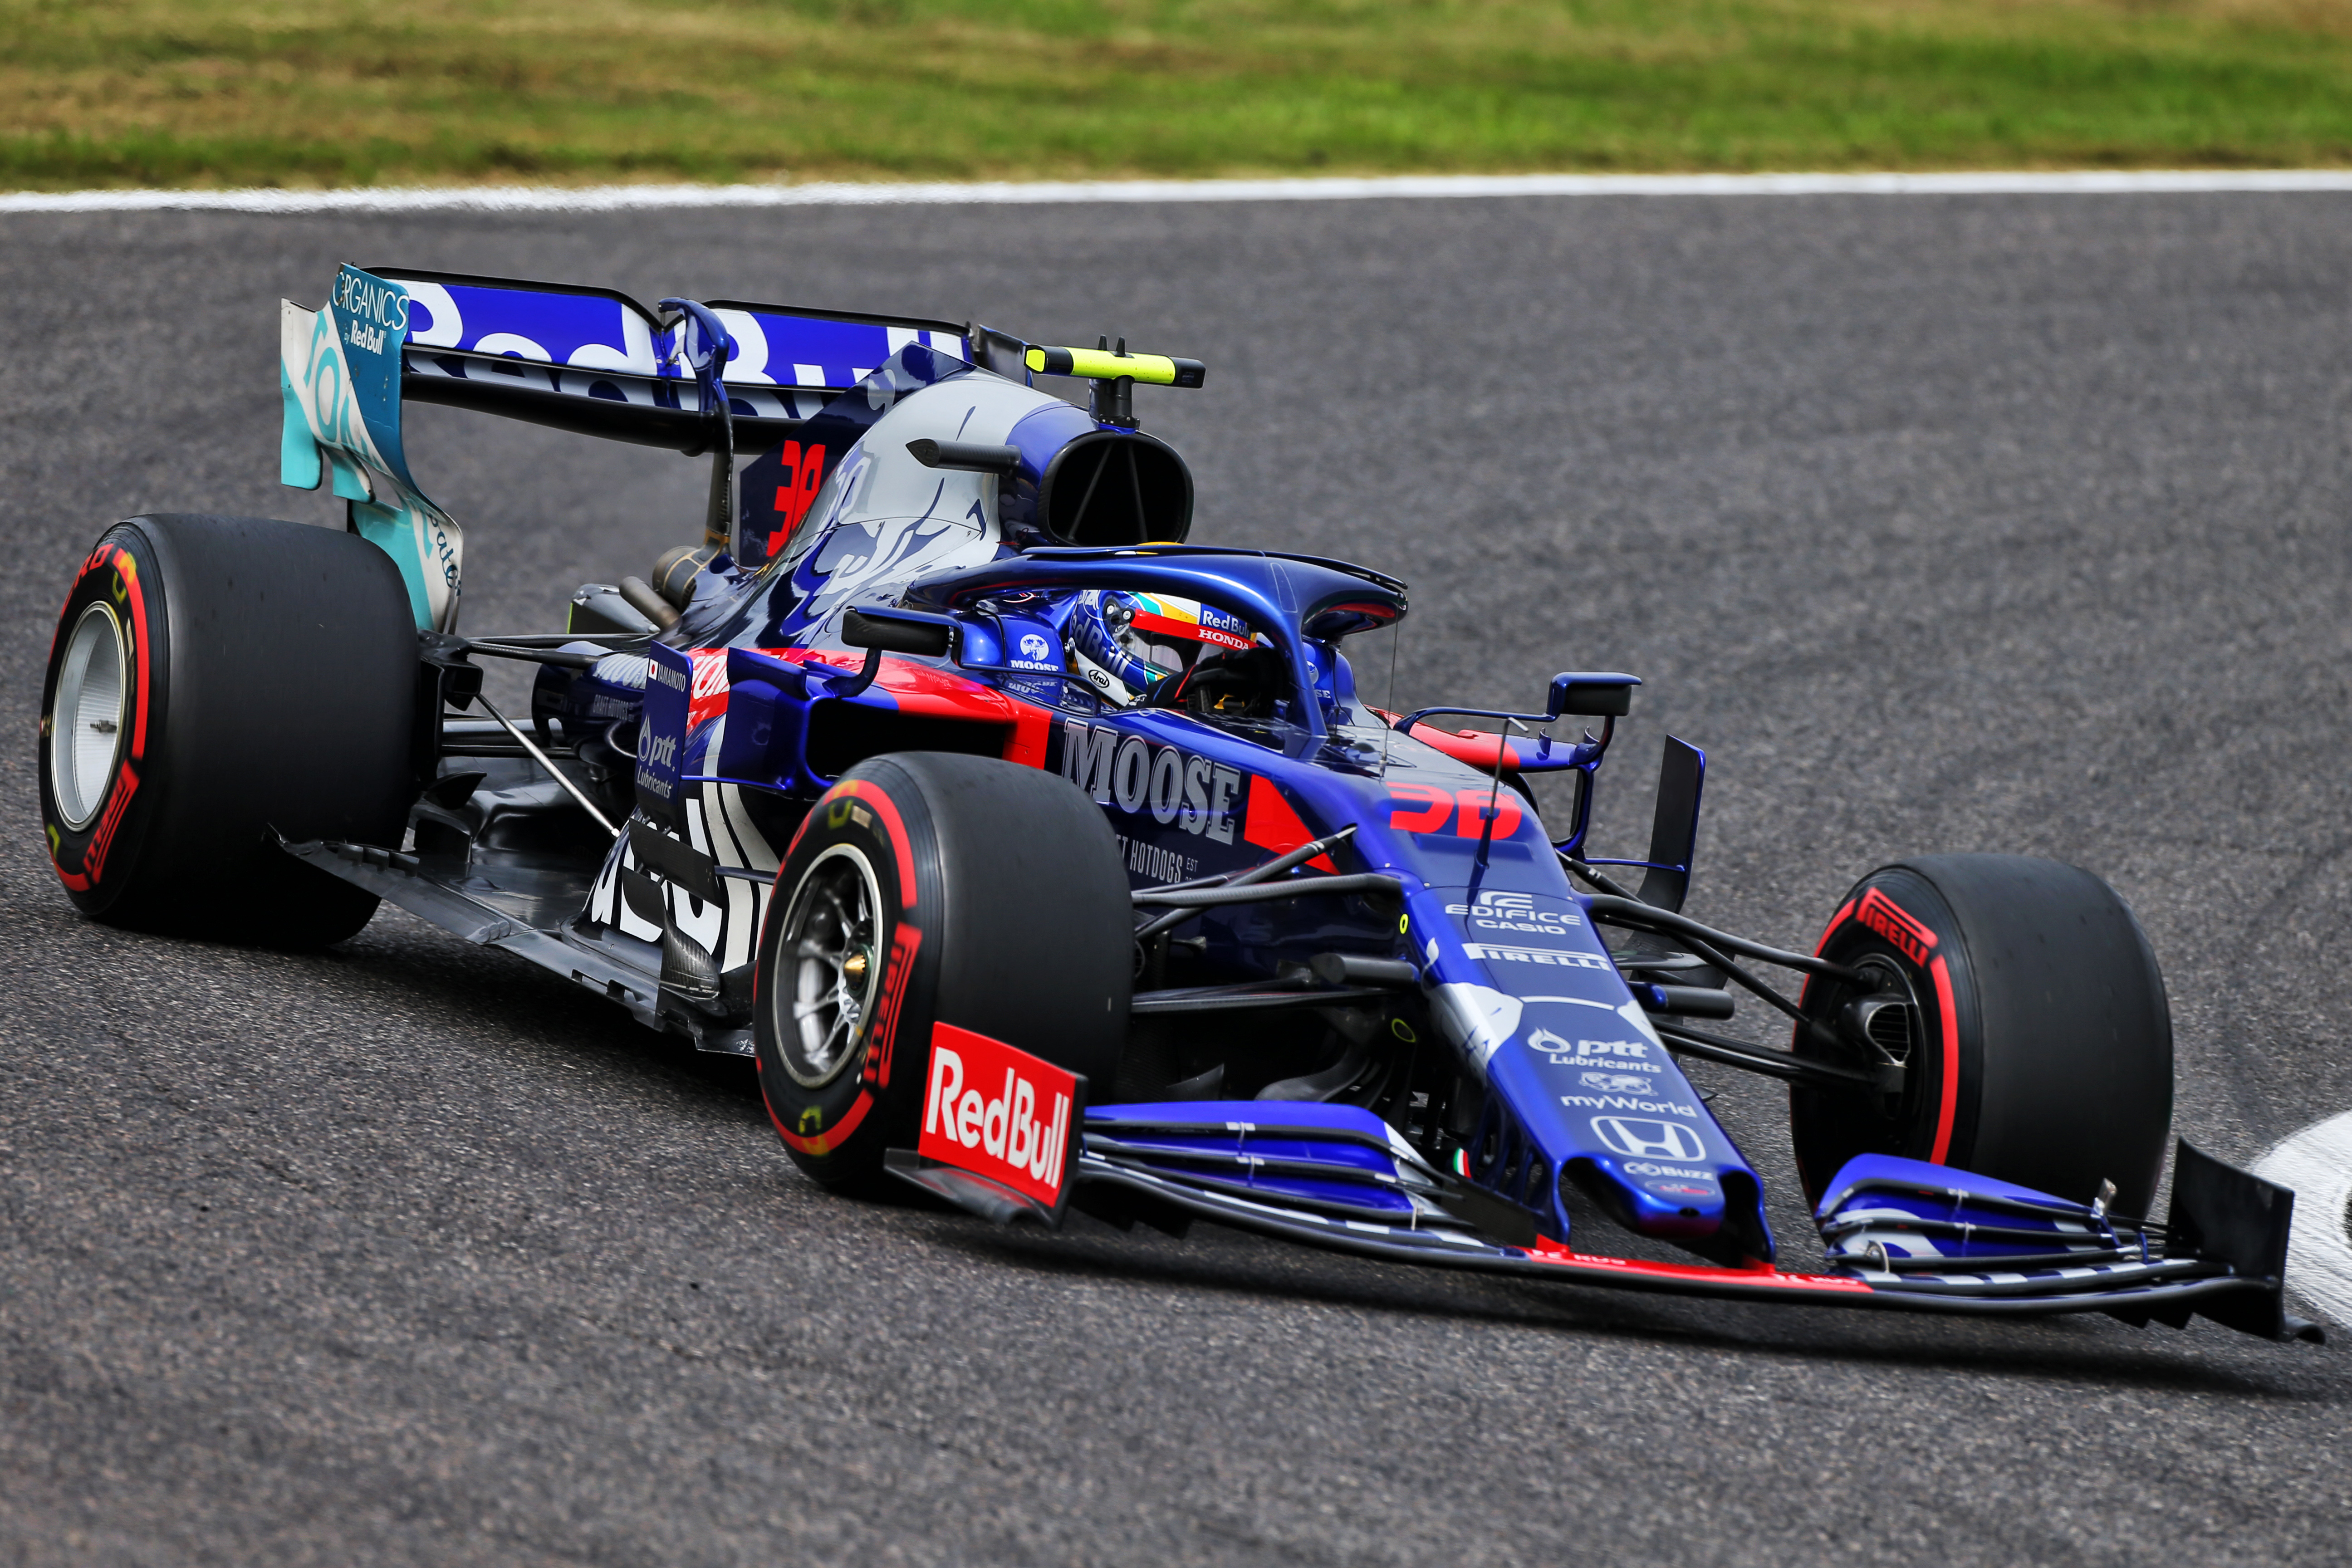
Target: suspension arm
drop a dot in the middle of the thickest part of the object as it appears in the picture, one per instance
(1638, 916)
(1886, 1077)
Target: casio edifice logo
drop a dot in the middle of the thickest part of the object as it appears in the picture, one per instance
(1516, 914)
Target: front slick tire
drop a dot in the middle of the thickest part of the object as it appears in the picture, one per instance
(215, 680)
(2039, 1042)
(923, 889)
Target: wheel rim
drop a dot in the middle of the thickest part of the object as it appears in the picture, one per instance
(87, 719)
(826, 957)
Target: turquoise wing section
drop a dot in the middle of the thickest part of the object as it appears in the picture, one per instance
(339, 374)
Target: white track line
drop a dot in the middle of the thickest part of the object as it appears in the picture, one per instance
(638, 198)
(2316, 1162)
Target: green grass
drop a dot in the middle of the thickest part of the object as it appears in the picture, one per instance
(324, 93)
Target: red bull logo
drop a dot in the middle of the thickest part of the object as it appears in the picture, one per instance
(998, 1112)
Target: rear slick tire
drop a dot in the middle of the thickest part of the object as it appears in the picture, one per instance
(928, 888)
(215, 680)
(2039, 1040)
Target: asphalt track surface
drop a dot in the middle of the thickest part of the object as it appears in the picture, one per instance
(1943, 523)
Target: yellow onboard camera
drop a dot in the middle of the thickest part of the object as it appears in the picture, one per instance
(1115, 373)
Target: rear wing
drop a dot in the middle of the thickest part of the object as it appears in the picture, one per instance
(590, 361)
(597, 362)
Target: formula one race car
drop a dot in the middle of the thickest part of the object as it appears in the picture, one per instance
(1044, 859)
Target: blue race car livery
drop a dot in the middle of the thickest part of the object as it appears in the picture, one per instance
(1042, 859)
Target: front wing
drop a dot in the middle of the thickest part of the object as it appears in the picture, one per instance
(1336, 1177)
(2164, 1290)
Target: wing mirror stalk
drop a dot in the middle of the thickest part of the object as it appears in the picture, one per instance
(925, 634)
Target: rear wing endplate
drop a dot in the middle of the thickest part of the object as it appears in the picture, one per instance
(590, 361)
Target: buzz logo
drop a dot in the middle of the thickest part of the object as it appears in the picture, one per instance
(1615, 1082)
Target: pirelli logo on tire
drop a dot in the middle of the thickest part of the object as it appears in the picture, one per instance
(1885, 916)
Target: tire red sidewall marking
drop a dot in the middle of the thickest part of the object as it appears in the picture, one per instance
(865, 789)
(128, 569)
(1845, 911)
(826, 1142)
(1949, 1096)
(130, 597)
(906, 941)
(93, 860)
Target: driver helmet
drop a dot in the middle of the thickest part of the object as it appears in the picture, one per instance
(1126, 643)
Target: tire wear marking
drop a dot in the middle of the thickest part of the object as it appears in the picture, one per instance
(823, 1142)
(1949, 1098)
(905, 942)
(1883, 915)
(865, 789)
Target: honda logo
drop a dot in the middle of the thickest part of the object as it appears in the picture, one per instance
(1647, 1140)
